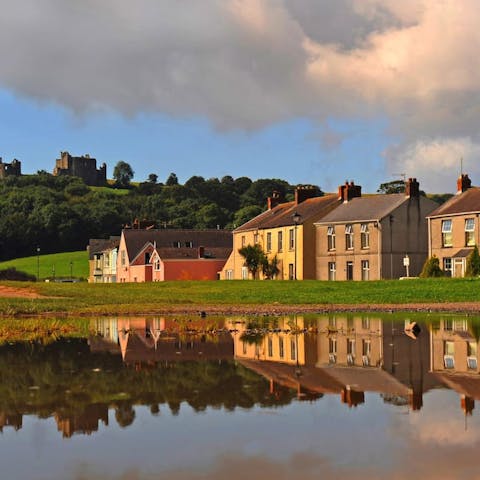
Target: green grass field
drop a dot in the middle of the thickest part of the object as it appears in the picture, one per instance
(144, 298)
(57, 264)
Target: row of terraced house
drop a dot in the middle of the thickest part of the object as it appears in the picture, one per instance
(341, 236)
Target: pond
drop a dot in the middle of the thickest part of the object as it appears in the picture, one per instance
(305, 396)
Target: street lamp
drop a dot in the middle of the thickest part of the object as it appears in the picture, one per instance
(71, 270)
(38, 264)
(296, 220)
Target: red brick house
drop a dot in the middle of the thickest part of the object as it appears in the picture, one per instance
(160, 255)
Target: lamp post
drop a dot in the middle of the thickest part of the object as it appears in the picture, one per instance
(296, 220)
(38, 264)
(71, 270)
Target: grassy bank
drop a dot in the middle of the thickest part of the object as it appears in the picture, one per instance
(56, 264)
(83, 298)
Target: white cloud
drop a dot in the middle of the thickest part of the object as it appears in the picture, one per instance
(436, 162)
(250, 63)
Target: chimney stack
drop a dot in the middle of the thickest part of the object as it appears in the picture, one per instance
(412, 188)
(274, 200)
(348, 191)
(463, 183)
(304, 192)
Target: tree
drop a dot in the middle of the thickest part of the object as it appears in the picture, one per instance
(396, 186)
(172, 180)
(152, 178)
(431, 268)
(123, 174)
(254, 258)
(473, 264)
(270, 268)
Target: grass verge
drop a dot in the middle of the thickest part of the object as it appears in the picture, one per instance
(105, 299)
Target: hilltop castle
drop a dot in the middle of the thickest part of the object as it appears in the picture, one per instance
(84, 167)
(10, 169)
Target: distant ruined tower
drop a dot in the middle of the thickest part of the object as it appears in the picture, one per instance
(84, 167)
(13, 169)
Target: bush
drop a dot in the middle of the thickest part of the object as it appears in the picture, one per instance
(473, 264)
(16, 275)
(431, 268)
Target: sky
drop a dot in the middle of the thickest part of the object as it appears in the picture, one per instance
(309, 91)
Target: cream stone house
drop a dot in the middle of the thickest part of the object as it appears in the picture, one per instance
(284, 230)
(375, 236)
(453, 228)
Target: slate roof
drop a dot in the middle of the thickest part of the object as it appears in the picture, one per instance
(98, 245)
(219, 242)
(465, 202)
(281, 215)
(374, 207)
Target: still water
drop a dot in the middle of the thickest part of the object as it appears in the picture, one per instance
(245, 397)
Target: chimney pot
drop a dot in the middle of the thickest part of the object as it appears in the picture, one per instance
(463, 183)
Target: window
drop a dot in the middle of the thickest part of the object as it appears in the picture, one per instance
(332, 345)
(243, 240)
(107, 259)
(255, 238)
(280, 347)
(364, 236)
(280, 241)
(244, 273)
(177, 244)
(229, 275)
(366, 352)
(472, 355)
(446, 233)
(470, 232)
(332, 270)
(147, 258)
(349, 237)
(291, 239)
(157, 264)
(366, 323)
(365, 270)
(447, 266)
(448, 354)
(331, 238)
(189, 244)
(269, 242)
(244, 348)
(448, 324)
(270, 346)
(350, 351)
(123, 257)
(293, 349)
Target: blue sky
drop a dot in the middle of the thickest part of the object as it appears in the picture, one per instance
(310, 91)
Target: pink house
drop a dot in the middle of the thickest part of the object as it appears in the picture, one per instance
(161, 255)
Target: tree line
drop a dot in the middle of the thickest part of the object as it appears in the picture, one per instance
(58, 214)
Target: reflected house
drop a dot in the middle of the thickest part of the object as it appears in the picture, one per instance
(14, 420)
(351, 350)
(143, 341)
(280, 343)
(148, 254)
(454, 230)
(84, 423)
(454, 358)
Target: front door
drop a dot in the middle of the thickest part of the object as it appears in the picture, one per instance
(458, 267)
(349, 270)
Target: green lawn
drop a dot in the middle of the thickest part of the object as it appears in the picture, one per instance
(83, 298)
(57, 264)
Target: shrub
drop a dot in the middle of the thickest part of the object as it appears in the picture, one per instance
(14, 274)
(431, 268)
(473, 264)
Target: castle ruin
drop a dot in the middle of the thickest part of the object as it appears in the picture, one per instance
(13, 169)
(84, 167)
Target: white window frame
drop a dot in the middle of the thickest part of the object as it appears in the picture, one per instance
(331, 239)
(364, 236)
(447, 233)
(349, 236)
(269, 241)
(365, 269)
(332, 271)
(469, 232)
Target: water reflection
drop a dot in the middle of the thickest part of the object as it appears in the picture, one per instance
(237, 362)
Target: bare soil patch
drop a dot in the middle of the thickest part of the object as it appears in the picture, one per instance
(12, 292)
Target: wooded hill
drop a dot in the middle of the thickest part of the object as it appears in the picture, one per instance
(61, 214)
